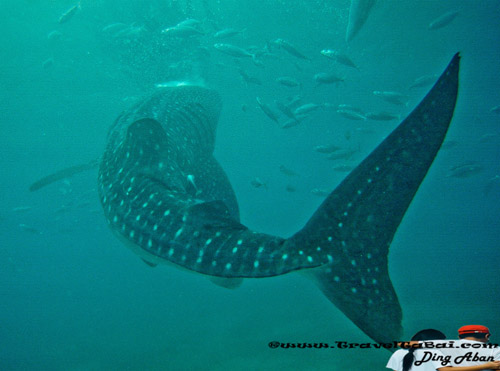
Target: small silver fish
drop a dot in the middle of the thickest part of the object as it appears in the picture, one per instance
(48, 63)
(54, 35)
(349, 107)
(339, 57)
(485, 138)
(495, 109)
(189, 22)
(29, 229)
(227, 33)
(491, 184)
(257, 183)
(249, 79)
(291, 49)
(288, 81)
(327, 148)
(342, 168)
(113, 28)
(319, 192)
(267, 110)
(306, 108)
(129, 33)
(465, 170)
(351, 115)
(358, 14)
(449, 144)
(66, 16)
(287, 171)
(285, 109)
(382, 116)
(443, 20)
(233, 51)
(344, 154)
(292, 101)
(22, 208)
(423, 81)
(182, 31)
(294, 122)
(327, 78)
(393, 97)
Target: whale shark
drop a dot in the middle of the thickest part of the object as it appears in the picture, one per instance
(167, 198)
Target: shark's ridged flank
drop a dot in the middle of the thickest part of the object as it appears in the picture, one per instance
(166, 196)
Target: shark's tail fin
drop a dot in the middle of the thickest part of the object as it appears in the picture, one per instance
(357, 222)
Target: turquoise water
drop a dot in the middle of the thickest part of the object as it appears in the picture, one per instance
(74, 298)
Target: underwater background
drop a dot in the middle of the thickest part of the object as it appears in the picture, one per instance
(74, 298)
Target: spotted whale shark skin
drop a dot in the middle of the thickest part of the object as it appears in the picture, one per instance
(165, 195)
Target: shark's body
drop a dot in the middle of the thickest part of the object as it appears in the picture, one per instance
(164, 193)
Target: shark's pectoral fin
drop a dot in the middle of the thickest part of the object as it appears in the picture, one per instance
(357, 222)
